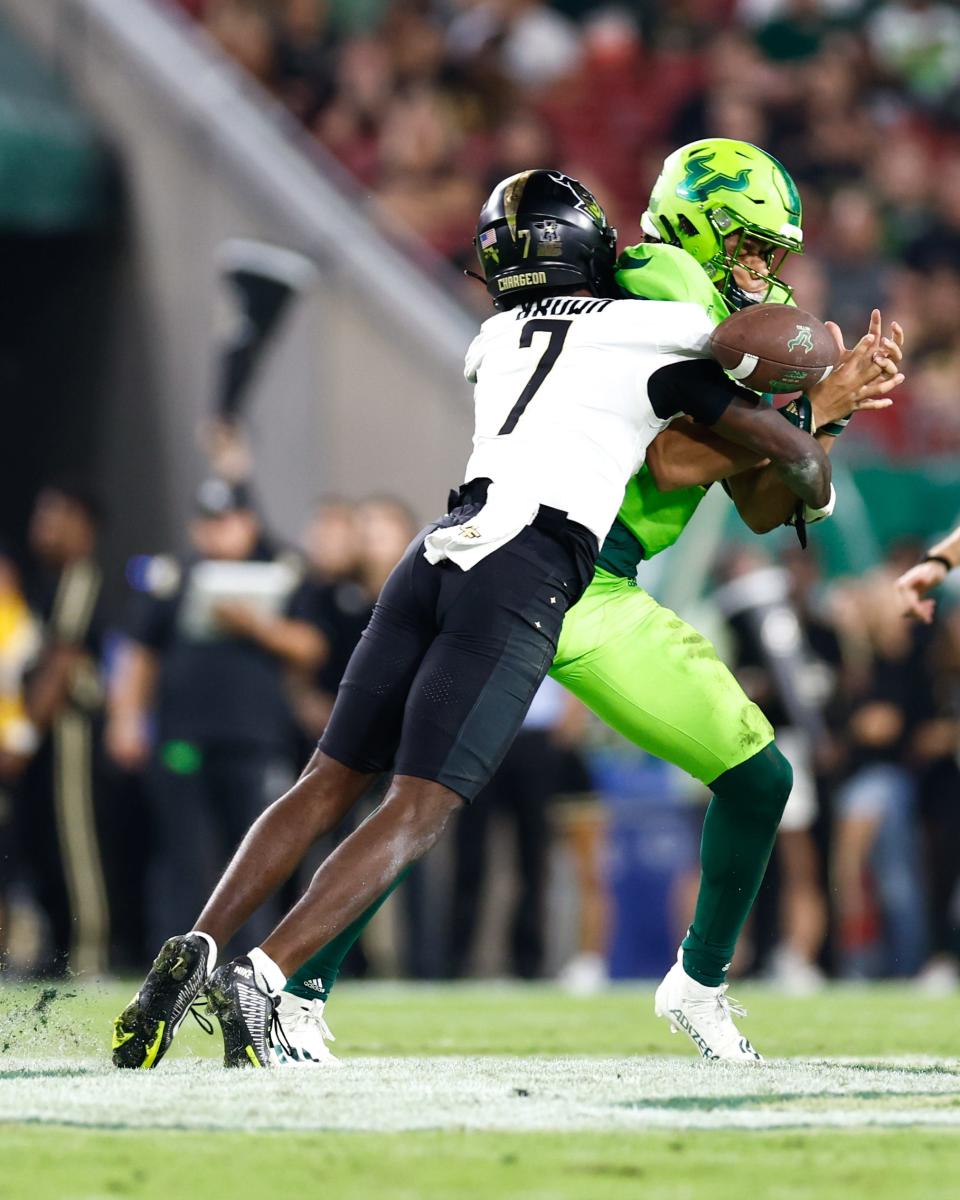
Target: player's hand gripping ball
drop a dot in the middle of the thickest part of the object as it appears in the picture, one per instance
(774, 348)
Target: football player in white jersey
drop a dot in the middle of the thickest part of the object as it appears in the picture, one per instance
(572, 385)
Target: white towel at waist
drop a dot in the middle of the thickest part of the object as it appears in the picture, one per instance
(502, 517)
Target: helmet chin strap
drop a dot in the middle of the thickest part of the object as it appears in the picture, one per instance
(738, 297)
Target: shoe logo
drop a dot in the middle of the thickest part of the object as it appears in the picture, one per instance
(746, 1048)
(680, 1018)
(315, 985)
(245, 972)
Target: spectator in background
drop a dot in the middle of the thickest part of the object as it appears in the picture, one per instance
(857, 273)
(897, 729)
(787, 659)
(19, 645)
(918, 42)
(242, 29)
(340, 607)
(304, 57)
(56, 818)
(206, 659)
(351, 549)
(581, 816)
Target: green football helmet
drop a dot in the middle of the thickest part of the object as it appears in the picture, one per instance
(712, 188)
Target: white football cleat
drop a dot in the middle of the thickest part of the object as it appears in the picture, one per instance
(306, 1034)
(704, 1014)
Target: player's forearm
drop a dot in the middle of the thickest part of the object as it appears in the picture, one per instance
(808, 477)
(134, 683)
(948, 548)
(50, 686)
(798, 460)
(687, 455)
(763, 499)
(297, 642)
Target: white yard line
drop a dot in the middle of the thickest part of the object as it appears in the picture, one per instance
(487, 1093)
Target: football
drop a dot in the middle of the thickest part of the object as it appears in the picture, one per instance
(774, 348)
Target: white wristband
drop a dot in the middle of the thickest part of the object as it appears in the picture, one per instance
(812, 515)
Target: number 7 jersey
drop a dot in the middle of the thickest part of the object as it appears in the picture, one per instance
(564, 405)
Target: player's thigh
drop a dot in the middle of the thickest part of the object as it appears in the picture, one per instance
(499, 629)
(364, 727)
(657, 681)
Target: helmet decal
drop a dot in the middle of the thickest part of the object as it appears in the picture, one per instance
(792, 196)
(549, 241)
(701, 179)
(583, 201)
(511, 200)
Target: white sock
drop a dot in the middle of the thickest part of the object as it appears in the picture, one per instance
(266, 972)
(212, 945)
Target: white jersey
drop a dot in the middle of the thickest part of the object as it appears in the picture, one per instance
(562, 413)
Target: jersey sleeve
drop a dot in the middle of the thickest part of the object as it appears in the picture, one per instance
(699, 388)
(686, 331)
(474, 356)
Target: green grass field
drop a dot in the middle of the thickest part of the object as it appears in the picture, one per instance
(495, 1091)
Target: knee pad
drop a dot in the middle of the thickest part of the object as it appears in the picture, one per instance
(763, 783)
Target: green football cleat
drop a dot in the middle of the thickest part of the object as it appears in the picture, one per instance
(144, 1030)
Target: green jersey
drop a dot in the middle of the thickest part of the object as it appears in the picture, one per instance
(650, 520)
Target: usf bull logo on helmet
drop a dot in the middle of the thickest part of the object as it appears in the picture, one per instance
(710, 189)
(544, 230)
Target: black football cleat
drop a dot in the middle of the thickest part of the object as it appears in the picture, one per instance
(144, 1030)
(247, 1014)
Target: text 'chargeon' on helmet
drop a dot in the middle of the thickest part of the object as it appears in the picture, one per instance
(540, 231)
(710, 189)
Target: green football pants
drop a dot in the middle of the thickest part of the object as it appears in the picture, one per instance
(656, 680)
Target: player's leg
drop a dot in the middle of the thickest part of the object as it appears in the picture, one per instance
(658, 682)
(359, 743)
(498, 629)
(304, 997)
(314, 980)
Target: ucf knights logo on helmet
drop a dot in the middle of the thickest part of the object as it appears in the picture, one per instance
(542, 230)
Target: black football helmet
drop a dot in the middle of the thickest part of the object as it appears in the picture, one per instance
(542, 230)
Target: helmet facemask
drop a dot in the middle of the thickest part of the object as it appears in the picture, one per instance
(720, 268)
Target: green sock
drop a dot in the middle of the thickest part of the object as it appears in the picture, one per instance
(316, 977)
(739, 831)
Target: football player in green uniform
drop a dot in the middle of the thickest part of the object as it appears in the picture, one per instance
(722, 217)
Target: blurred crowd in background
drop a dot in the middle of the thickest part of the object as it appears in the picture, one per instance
(428, 103)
